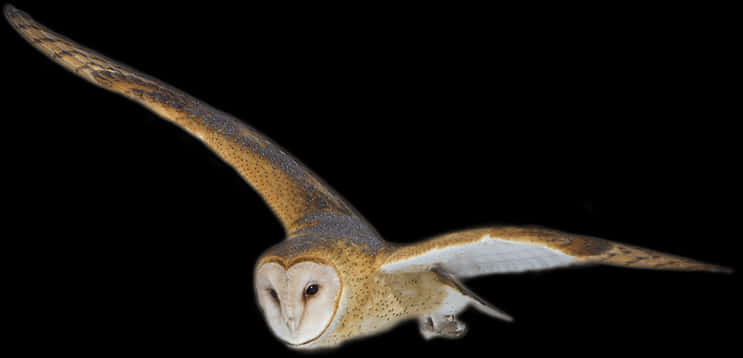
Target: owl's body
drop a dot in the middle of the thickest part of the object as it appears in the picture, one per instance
(372, 300)
(384, 284)
(334, 278)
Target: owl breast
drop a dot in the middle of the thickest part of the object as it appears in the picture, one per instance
(391, 299)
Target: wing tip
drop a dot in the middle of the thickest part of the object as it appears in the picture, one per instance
(9, 11)
(17, 19)
(719, 269)
(693, 265)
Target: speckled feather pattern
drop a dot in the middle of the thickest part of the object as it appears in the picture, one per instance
(291, 190)
(372, 301)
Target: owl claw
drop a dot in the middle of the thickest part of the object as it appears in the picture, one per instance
(442, 327)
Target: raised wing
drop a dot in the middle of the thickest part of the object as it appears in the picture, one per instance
(516, 249)
(296, 195)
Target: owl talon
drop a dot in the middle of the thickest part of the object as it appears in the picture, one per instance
(442, 327)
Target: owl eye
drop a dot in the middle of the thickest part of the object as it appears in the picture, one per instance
(273, 294)
(311, 289)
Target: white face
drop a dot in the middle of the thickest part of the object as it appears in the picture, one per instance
(300, 302)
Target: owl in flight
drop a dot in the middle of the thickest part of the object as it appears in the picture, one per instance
(334, 278)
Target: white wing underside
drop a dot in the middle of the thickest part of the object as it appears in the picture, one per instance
(485, 256)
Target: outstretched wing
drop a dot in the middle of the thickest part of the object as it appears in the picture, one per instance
(297, 196)
(516, 249)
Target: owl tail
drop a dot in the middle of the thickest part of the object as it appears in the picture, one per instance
(478, 302)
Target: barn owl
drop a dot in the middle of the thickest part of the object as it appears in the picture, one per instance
(334, 278)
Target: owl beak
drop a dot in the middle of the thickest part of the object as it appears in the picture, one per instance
(292, 323)
(292, 316)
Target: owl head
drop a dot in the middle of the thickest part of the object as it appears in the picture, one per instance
(310, 292)
(299, 298)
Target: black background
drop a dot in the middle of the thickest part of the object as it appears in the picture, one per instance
(128, 235)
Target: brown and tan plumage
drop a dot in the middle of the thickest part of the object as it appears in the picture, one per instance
(335, 278)
(291, 190)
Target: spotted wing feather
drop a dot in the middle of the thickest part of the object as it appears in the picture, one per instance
(293, 192)
(516, 249)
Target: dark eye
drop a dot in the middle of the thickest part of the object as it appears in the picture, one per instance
(311, 289)
(273, 294)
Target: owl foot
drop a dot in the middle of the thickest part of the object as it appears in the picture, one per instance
(442, 327)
